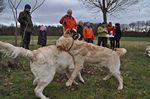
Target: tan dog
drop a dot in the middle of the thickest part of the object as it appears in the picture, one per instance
(91, 54)
(147, 51)
(44, 63)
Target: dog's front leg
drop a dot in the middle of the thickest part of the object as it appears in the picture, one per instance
(68, 76)
(73, 75)
(80, 78)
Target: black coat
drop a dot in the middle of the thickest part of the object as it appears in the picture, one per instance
(25, 20)
(118, 33)
(80, 31)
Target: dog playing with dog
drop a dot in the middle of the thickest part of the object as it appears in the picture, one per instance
(92, 54)
(44, 63)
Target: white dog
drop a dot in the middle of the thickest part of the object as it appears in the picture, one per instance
(147, 51)
(44, 63)
(89, 53)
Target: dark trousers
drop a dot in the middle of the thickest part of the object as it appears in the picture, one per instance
(26, 40)
(89, 40)
(102, 41)
(117, 43)
(112, 42)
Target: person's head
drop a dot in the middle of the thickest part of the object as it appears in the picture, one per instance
(27, 7)
(110, 23)
(81, 23)
(88, 24)
(99, 24)
(117, 25)
(103, 24)
(69, 12)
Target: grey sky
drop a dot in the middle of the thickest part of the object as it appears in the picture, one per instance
(52, 10)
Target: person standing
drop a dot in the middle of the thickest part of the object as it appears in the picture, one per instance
(111, 33)
(80, 29)
(68, 21)
(26, 26)
(102, 35)
(117, 35)
(88, 34)
(42, 38)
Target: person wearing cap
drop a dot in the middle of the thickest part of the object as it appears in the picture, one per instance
(26, 26)
(68, 21)
(42, 38)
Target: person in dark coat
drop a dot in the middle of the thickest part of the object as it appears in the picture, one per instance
(42, 38)
(117, 35)
(80, 29)
(26, 26)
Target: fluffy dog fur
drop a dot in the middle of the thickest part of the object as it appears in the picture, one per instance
(92, 54)
(147, 51)
(44, 63)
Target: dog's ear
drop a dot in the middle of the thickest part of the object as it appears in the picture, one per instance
(67, 33)
(74, 34)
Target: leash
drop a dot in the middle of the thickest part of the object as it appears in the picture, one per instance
(70, 53)
(70, 46)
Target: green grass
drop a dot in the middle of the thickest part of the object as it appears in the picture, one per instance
(135, 68)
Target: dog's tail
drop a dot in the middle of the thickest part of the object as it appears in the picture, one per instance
(12, 51)
(120, 51)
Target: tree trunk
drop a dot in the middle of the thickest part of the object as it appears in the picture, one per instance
(104, 12)
(16, 32)
(104, 16)
(16, 29)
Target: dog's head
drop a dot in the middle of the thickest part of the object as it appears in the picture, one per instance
(72, 33)
(64, 42)
(147, 51)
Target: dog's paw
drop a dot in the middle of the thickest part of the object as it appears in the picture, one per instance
(105, 78)
(75, 83)
(82, 81)
(44, 98)
(68, 83)
(35, 81)
(120, 88)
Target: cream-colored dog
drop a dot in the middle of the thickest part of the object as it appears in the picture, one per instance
(147, 51)
(44, 63)
(91, 54)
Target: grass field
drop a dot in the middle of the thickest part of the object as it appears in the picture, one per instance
(135, 68)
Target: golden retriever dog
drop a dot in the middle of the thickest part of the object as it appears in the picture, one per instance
(44, 63)
(147, 51)
(92, 54)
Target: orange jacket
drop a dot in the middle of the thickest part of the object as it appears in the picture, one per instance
(68, 22)
(88, 33)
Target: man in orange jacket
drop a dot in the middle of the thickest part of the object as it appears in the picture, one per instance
(68, 21)
(88, 34)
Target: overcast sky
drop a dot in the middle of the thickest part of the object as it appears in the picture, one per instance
(52, 10)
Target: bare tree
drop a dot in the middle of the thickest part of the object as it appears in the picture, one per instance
(14, 4)
(2, 5)
(108, 6)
